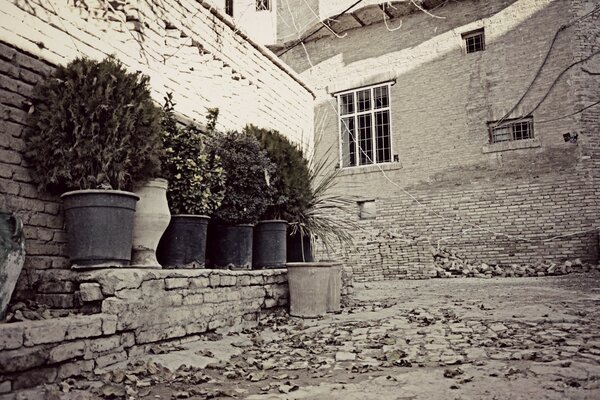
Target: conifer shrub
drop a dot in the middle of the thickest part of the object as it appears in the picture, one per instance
(94, 126)
(291, 189)
(249, 177)
(196, 176)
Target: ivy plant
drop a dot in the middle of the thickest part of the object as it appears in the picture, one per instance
(94, 126)
(249, 177)
(292, 192)
(196, 176)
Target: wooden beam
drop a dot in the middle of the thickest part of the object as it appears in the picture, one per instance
(357, 19)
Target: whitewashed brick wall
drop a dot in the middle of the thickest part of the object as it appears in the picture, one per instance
(186, 47)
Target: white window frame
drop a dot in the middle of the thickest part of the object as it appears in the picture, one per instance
(355, 115)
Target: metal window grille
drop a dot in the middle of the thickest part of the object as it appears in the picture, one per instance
(229, 7)
(365, 126)
(474, 41)
(518, 129)
(263, 5)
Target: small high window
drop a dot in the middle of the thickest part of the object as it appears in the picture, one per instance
(263, 5)
(474, 41)
(229, 7)
(514, 129)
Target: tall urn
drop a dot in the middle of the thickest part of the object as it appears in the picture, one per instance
(152, 217)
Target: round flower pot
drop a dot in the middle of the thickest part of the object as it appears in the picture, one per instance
(309, 285)
(151, 219)
(99, 227)
(184, 243)
(231, 246)
(299, 248)
(12, 256)
(269, 245)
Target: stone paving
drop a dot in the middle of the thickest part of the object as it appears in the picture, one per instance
(510, 338)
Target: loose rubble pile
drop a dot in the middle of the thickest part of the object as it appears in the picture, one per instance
(448, 264)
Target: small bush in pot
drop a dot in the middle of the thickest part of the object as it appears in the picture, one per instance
(95, 133)
(292, 196)
(248, 193)
(196, 188)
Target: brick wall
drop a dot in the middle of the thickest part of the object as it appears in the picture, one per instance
(185, 47)
(441, 102)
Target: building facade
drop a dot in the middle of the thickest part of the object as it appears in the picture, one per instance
(472, 125)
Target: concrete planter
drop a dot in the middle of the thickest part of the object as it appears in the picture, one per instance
(99, 227)
(151, 219)
(310, 286)
(12, 256)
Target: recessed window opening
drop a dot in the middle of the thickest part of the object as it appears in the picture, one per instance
(229, 7)
(512, 129)
(474, 41)
(263, 5)
(365, 126)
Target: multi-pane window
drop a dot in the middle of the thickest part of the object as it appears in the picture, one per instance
(515, 129)
(263, 5)
(474, 41)
(229, 7)
(365, 126)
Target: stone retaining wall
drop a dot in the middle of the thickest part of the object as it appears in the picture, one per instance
(136, 308)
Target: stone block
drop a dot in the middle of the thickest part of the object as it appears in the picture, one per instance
(243, 280)
(158, 333)
(109, 324)
(199, 282)
(11, 336)
(85, 327)
(196, 327)
(22, 359)
(228, 280)
(256, 280)
(195, 298)
(110, 359)
(34, 378)
(45, 331)
(90, 292)
(215, 280)
(128, 339)
(104, 344)
(66, 351)
(176, 283)
(77, 368)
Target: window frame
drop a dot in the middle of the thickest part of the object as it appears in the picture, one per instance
(229, 7)
(476, 32)
(371, 112)
(264, 4)
(511, 123)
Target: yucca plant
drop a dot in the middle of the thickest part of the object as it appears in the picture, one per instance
(328, 215)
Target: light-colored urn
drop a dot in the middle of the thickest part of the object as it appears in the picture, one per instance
(152, 217)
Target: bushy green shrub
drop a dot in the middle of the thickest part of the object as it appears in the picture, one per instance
(292, 191)
(94, 126)
(196, 176)
(248, 170)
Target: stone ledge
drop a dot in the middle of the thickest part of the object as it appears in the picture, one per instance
(366, 169)
(511, 145)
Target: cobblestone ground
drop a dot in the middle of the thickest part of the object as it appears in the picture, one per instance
(510, 338)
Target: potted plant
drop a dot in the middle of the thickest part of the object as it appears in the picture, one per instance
(12, 256)
(95, 133)
(196, 188)
(291, 197)
(248, 192)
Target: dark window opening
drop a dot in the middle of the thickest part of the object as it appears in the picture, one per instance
(263, 5)
(229, 7)
(474, 41)
(514, 129)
